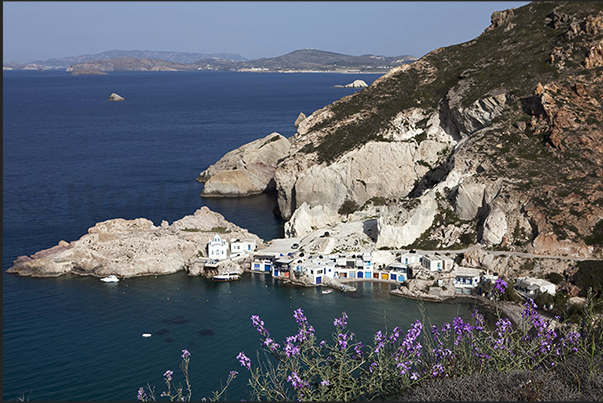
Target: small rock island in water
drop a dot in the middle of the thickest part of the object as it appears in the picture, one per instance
(115, 97)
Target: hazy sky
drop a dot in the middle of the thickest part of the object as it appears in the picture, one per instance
(43, 30)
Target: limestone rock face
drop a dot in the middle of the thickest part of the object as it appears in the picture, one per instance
(300, 118)
(399, 226)
(129, 248)
(379, 168)
(495, 227)
(115, 97)
(247, 170)
(469, 199)
(307, 219)
(477, 115)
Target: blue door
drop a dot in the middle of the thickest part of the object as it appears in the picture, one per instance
(360, 274)
(318, 280)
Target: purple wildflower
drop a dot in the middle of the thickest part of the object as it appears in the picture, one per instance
(379, 341)
(233, 374)
(438, 369)
(324, 382)
(409, 345)
(271, 344)
(479, 320)
(461, 329)
(341, 322)
(291, 350)
(435, 332)
(570, 339)
(393, 338)
(372, 367)
(306, 331)
(185, 354)
(503, 326)
(141, 394)
(404, 367)
(500, 286)
(299, 316)
(259, 325)
(342, 340)
(297, 382)
(168, 375)
(358, 350)
(244, 360)
(414, 376)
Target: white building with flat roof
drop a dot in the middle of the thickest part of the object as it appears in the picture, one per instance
(466, 279)
(530, 287)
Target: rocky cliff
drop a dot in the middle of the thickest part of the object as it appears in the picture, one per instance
(247, 170)
(129, 248)
(496, 141)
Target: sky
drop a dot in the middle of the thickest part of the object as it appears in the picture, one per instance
(55, 29)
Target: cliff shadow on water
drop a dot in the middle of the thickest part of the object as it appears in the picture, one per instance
(257, 213)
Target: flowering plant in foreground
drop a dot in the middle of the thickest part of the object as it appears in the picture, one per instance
(177, 394)
(301, 368)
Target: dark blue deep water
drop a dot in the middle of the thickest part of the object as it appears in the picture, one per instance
(72, 159)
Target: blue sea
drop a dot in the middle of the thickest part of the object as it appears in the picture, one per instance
(72, 159)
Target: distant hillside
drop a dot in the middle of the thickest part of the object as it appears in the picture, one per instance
(178, 57)
(312, 59)
(128, 64)
(299, 60)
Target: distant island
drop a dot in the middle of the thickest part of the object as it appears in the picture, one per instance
(304, 60)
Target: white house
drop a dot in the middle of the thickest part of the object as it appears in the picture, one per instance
(217, 248)
(281, 267)
(530, 287)
(238, 246)
(466, 279)
(410, 258)
(318, 269)
(367, 266)
(262, 262)
(347, 266)
(397, 271)
(433, 263)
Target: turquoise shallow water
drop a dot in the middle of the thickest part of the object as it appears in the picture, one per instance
(71, 159)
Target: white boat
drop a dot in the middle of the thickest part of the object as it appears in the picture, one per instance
(227, 277)
(330, 290)
(110, 279)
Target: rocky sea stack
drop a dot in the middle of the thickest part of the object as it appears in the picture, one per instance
(115, 97)
(497, 141)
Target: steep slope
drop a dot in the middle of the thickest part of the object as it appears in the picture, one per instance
(498, 140)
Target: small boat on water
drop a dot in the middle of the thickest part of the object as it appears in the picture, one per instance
(328, 291)
(110, 279)
(227, 277)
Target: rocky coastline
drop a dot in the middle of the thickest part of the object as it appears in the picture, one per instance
(130, 248)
